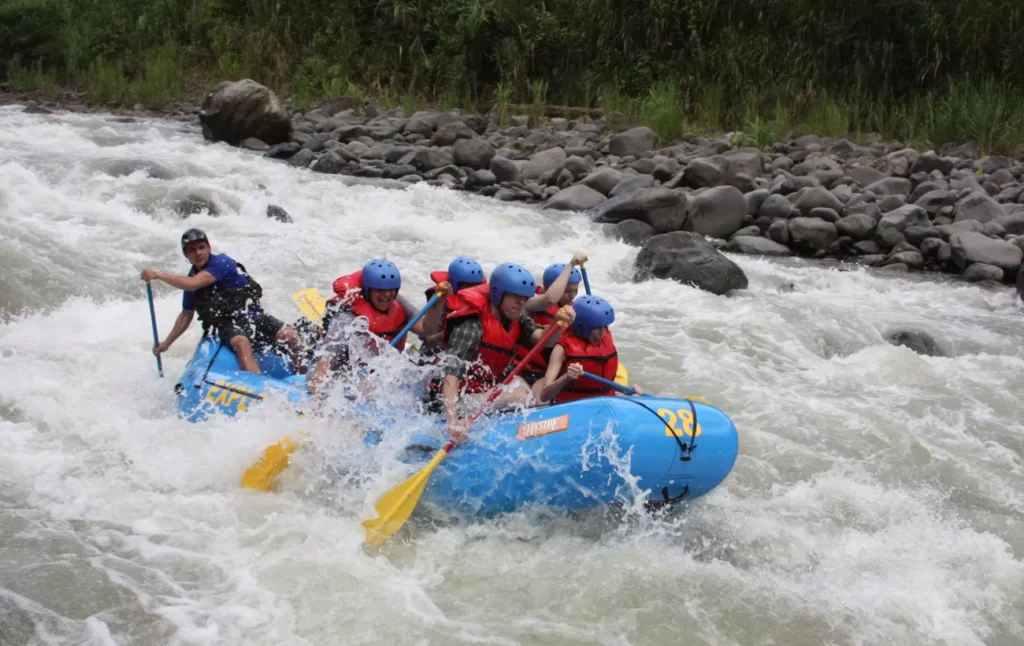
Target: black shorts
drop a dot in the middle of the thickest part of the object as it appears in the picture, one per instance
(261, 330)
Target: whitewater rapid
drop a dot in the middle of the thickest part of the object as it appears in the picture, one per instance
(878, 497)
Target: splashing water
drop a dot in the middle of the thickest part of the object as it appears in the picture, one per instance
(878, 496)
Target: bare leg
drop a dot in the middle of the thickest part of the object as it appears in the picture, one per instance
(243, 349)
(516, 393)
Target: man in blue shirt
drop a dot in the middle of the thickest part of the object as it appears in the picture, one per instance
(226, 298)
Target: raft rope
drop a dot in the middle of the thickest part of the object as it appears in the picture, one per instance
(685, 451)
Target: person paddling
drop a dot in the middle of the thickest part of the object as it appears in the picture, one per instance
(481, 331)
(462, 273)
(227, 299)
(561, 285)
(371, 296)
(587, 346)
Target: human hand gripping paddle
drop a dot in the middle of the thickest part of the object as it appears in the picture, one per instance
(156, 337)
(274, 458)
(395, 507)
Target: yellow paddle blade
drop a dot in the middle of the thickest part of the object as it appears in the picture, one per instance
(274, 460)
(395, 507)
(622, 375)
(310, 303)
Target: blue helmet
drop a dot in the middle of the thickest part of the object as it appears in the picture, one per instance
(511, 278)
(591, 312)
(380, 274)
(464, 271)
(552, 273)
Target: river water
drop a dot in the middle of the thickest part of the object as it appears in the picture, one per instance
(878, 497)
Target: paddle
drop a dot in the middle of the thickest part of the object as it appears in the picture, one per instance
(622, 375)
(586, 279)
(395, 507)
(310, 303)
(156, 337)
(611, 384)
(274, 458)
(629, 391)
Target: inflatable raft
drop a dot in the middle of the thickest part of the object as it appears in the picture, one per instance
(575, 455)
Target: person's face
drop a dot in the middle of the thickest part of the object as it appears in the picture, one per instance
(569, 295)
(381, 299)
(512, 306)
(198, 253)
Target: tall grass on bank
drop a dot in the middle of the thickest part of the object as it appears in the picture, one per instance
(928, 70)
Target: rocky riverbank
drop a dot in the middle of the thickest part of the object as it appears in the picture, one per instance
(878, 203)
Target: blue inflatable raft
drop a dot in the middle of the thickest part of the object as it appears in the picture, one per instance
(575, 455)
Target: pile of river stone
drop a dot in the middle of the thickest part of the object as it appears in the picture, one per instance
(883, 204)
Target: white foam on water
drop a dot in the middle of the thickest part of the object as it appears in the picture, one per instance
(877, 498)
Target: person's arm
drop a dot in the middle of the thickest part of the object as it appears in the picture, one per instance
(554, 293)
(463, 347)
(431, 319)
(553, 384)
(530, 333)
(188, 283)
(318, 374)
(180, 325)
(333, 351)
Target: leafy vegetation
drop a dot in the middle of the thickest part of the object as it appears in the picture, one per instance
(919, 70)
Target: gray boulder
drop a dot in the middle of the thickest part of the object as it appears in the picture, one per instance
(757, 246)
(479, 179)
(816, 197)
(857, 226)
(811, 234)
(542, 162)
(979, 206)
(574, 198)
(236, 110)
(603, 179)
(505, 170)
(979, 272)
(662, 208)
(473, 152)
(718, 212)
(633, 232)
(891, 186)
(690, 259)
(632, 142)
(774, 207)
(903, 217)
(918, 341)
(628, 184)
(423, 159)
(865, 175)
(969, 248)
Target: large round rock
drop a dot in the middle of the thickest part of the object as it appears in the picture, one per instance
(690, 259)
(662, 208)
(236, 110)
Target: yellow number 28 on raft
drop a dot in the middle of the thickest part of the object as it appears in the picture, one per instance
(678, 422)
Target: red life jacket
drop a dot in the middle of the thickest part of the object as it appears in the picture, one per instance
(439, 277)
(601, 360)
(350, 297)
(498, 346)
(538, 364)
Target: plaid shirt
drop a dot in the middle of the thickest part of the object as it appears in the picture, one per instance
(466, 336)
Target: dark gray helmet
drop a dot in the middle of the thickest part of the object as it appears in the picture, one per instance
(192, 235)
